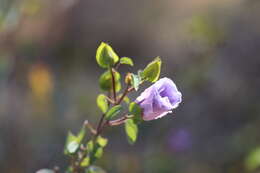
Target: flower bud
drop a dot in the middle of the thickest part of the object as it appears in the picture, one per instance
(128, 78)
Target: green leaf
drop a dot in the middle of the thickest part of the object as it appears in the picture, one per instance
(95, 169)
(99, 152)
(45, 171)
(127, 61)
(85, 162)
(73, 142)
(102, 102)
(126, 100)
(131, 130)
(105, 81)
(72, 147)
(253, 160)
(113, 112)
(95, 151)
(135, 109)
(105, 56)
(102, 141)
(136, 81)
(152, 70)
(81, 134)
(90, 146)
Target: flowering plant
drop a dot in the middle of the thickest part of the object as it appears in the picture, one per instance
(84, 148)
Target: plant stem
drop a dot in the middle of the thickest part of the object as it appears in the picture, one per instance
(113, 84)
(123, 96)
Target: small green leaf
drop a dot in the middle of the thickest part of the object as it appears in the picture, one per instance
(72, 147)
(126, 100)
(113, 112)
(95, 169)
(152, 70)
(71, 138)
(127, 61)
(81, 134)
(98, 153)
(105, 56)
(102, 141)
(131, 130)
(90, 146)
(136, 81)
(95, 151)
(105, 81)
(102, 102)
(45, 171)
(85, 162)
(135, 109)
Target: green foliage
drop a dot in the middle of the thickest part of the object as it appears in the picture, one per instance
(102, 103)
(135, 110)
(126, 100)
(131, 130)
(105, 56)
(253, 160)
(113, 112)
(95, 149)
(102, 141)
(152, 70)
(136, 81)
(85, 162)
(127, 61)
(94, 169)
(105, 81)
(73, 142)
(85, 154)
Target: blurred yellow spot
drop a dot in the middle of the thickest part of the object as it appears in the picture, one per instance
(31, 7)
(41, 82)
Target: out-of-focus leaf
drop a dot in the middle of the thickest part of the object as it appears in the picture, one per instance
(127, 61)
(73, 142)
(253, 160)
(113, 112)
(106, 56)
(102, 141)
(102, 102)
(85, 162)
(98, 153)
(90, 146)
(72, 147)
(152, 70)
(70, 144)
(105, 81)
(131, 130)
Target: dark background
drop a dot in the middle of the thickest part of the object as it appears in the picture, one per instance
(49, 82)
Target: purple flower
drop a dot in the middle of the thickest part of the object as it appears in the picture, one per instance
(159, 99)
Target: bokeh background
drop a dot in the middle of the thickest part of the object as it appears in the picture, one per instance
(49, 82)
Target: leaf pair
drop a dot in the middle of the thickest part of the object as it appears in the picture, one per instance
(95, 148)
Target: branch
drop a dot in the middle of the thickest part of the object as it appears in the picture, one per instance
(113, 84)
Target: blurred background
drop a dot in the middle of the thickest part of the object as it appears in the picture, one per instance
(49, 82)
